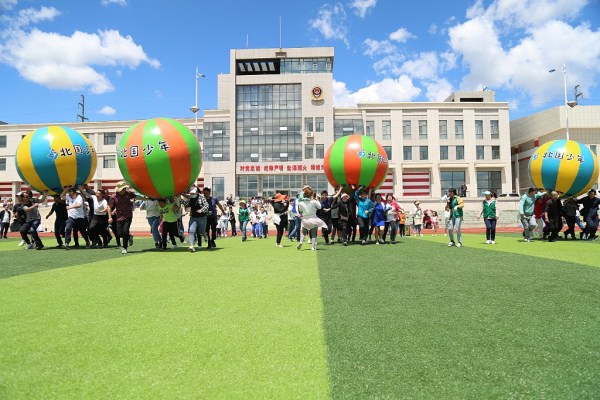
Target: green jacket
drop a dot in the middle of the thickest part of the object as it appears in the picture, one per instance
(526, 205)
(457, 202)
(489, 210)
(243, 214)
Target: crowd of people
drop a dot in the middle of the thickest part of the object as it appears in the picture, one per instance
(363, 216)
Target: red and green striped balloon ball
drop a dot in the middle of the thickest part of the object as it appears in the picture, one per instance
(356, 160)
(159, 157)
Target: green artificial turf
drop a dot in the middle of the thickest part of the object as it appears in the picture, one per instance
(422, 320)
(236, 322)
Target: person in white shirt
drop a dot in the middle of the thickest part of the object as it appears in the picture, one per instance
(153, 217)
(223, 221)
(98, 230)
(76, 214)
(308, 206)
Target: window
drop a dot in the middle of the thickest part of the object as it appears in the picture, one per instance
(423, 153)
(308, 151)
(494, 128)
(370, 129)
(593, 148)
(320, 124)
(317, 182)
(458, 129)
(478, 129)
(495, 152)
(443, 152)
(272, 184)
(109, 162)
(216, 142)
(422, 129)
(388, 152)
(2, 164)
(443, 129)
(406, 129)
(386, 130)
(345, 127)
(218, 188)
(489, 180)
(110, 138)
(2, 142)
(320, 153)
(199, 134)
(247, 186)
(479, 152)
(308, 125)
(407, 153)
(460, 152)
(451, 179)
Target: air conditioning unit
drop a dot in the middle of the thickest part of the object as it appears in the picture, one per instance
(310, 134)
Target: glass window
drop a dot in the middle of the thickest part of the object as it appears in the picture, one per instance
(110, 138)
(443, 129)
(489, 180)
(460, 152)
(2, 164)
(423, 153)
(386, 129)
(478, 129)
(218, 188)
(317, 182)
(272, 184)
(320, 151)
(593, 148)
(109, 162)
(320, 124)
(443, 152)
(199, 134)
(247, 186)
(479, 152)
(308, 151)
(422, 129)
(458, 129)
(2, 141)
(495, 152)
(308, 124)
(451, 179)
(370, 129)
(388, 152)
(345, 127)
(216, 141)
(494, 128)
(406, 129)
(407, 153)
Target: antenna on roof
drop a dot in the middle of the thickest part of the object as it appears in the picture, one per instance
(82, 105)
(280, 33)
(247, 40)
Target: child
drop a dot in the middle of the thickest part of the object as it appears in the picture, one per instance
(232, 221)
(402, 223)
(262, 223)
(435, 223)
(254, 221)
(223, 221)
(168, 212)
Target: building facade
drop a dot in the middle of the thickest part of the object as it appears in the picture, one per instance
(276, 119)
(528, 133)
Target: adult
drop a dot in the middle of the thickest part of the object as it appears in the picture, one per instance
(589, 213)
(59, 209)
(324, 214)
(19, 216)
(539, 206)
(490, 215)
(121, 204)
(280, 218)
(168, 212)
(526, 206)
(244, 217)
(198, 213)
(343, 206)
(295, 226)
(98, 228)
(211, 217)
(553, 216)
(309, 205)
(570, 208)
(153, 218)
(456, 205)
(5, 215)
(378, 218)
(392, 212)
(76, 216)
(335, 218)
(33, 220)
(463, 190)
(232, 221)
(230, 202)
(363, 204)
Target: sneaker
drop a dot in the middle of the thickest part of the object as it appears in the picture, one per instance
(29, 247)
(174, 246)
(377, 242)
(488, 241)
(345, 243)
(40, 246)
(157, 245)
(363, 242)
(459, 244)
(450, 244)
(313, 249)
(21, 243)
(492, 242)
(278, 245)
(299, 245)
(191, 249)
(87, 245)
(66, 247)
(123, 250)
(130, 240)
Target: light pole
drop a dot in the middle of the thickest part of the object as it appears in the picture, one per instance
(568, 104)
(195, 108)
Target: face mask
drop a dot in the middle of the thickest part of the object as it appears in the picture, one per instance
(194, 196)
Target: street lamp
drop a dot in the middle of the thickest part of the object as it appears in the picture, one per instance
(568, 104)
(195, 108)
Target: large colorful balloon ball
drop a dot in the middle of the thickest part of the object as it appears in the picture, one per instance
(52, 157)
(159, 157)
(356, 160)
(565, 166)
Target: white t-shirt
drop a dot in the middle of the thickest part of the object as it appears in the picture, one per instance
(262, 217)
(6, 218)
(151, 207)
(78, 212)
(99, 205)
(391, 212)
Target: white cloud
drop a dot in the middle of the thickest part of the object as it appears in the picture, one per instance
(438, 89)
(27, 17)
(376, 47)
(425, 66)
(362, 7)
(68, 62)
(107, 110)
(386, 90)
(401, 35)
(433, 29)
(7, 4)
(331, 22)
(527, 13)
(121, 3)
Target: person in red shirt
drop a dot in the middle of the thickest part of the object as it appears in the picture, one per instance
(538, 211)
(121, 202)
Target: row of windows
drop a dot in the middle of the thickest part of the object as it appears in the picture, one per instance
(248, 185)
(305, 65)
(459, 152)
(486, 180)
(318, 125)
(216, 141)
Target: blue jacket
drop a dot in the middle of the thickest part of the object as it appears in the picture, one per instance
(363, 205)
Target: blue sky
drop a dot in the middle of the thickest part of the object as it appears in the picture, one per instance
(135, 59)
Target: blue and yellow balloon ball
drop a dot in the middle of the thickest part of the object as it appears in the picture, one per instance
(565, 166)
(53, 157)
